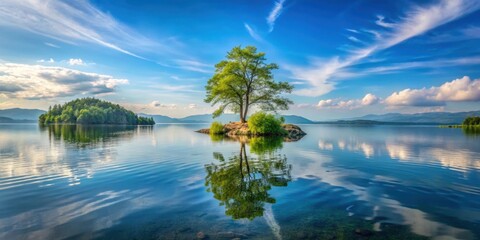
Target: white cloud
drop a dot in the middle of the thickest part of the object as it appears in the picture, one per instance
(253, 33)
(367, 100)
(193, 65)
(354, 39)
(50, 60)
(274, 14)
(68, 22)
(418, 20)
(458, 90)
(158, 104)
(438, 63)
(382, 23)
(76, 61)
(192, 105)
(39, 82)
(52, 45)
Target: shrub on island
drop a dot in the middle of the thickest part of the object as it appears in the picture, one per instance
(216, 128)
(261, 123)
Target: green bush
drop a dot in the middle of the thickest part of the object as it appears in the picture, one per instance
(261, 123)
(216, 128)
(471, 121)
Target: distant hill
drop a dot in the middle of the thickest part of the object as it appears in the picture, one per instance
(21, 114)
(225, 118)
(10, 120)
(421, 118)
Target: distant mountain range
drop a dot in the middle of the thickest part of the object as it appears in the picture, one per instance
(10, 120)
(421, 118)
(18, 114)
(31, 115)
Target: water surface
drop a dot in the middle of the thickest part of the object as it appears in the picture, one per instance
(168, 182)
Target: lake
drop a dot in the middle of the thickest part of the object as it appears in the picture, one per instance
(169, 182)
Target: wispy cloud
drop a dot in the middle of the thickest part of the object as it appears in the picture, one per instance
(175, 88)
(50, 60)
(22, 81)
(51, 45)
(380, 22)
(71, 22)
(194, 65)
(430, 64)
(471, 32)
(274, 14)
(253, 33)
(354, 39)
(418, 20)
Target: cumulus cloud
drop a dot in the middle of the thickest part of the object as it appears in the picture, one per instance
(458, 90)
(192, 105)
(37, 82)
(274, 14)
(367, 100)
(76, 61)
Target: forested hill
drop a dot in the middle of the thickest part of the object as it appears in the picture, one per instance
(92, 111)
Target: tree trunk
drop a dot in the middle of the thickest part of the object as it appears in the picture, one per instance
(242, 117)
(247, 100)
(245, 113)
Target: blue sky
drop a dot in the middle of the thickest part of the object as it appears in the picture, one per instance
(345, 58)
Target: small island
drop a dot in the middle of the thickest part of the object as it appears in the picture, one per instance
(244, 81)
(259, 124)
(92, 111)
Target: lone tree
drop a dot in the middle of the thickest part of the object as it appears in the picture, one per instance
(244, 80)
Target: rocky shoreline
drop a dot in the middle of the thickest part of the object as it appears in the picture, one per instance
(235, 129)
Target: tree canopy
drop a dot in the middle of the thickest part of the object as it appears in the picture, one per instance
(244, 80)
(92, 111)
(472, 121)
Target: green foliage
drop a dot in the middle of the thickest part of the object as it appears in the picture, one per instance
(263, 145)
(92, 111)
(244, 80)
(84, 135)
(471, 121)
(261, 123)
(216, 128)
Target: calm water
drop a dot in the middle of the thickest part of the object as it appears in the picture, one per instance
(168, 182)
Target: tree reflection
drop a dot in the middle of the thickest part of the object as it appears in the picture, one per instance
(83, 135)
(242, 183)
(473, 131)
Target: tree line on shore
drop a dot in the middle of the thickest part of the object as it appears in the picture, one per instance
(92, 111)
(471, 121)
